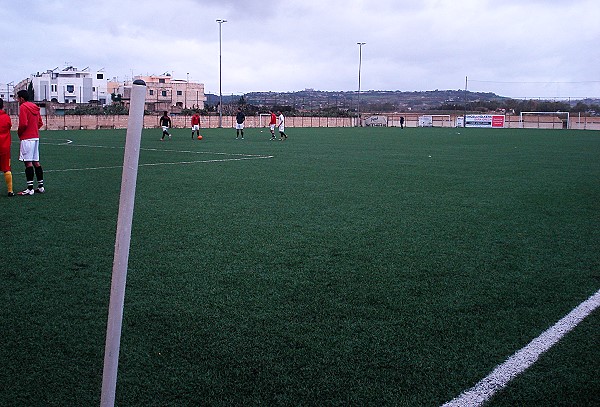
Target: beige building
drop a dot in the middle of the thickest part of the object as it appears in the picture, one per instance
(165, 93)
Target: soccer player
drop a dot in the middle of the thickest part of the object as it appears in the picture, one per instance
(282, 135)
(272, 124)
(195, 124)
(165, 122)
(30, 123)
(239, 123)
(5, 125)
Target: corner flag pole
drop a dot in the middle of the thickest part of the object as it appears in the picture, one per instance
(135, 125)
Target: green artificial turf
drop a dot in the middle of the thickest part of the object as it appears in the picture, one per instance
(371, 266)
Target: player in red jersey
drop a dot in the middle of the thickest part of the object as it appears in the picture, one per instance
(195, 124)
(5, 125)
(272, 124)
(30, 123)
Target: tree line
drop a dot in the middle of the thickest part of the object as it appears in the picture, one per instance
(513, 106)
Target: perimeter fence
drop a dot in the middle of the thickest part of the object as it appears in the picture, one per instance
(92, 122)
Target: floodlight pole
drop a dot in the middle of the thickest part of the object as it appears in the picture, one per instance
(133, 138)
(220, 21)
(360, 44)
(466, 96)
(8, 85)
(187, 82)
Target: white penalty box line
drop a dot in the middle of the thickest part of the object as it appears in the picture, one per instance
(524, 358)
(227, 157)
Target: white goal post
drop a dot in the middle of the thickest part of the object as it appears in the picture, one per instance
(545, 120)
(267, 116)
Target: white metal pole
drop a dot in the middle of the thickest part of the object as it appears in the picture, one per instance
(135, 125)
(360, 44)
(220, 21)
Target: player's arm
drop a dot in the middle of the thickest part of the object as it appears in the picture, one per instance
(22, 121)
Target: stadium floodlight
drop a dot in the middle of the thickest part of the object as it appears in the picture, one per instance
(360, 44)
(220, 21)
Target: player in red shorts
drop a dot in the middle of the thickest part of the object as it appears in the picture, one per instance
(5, 125)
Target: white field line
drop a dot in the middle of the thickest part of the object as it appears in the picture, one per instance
(517, 363)
(234, 157)
(167, 163)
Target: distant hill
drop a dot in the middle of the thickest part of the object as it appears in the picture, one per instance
(337, 102)
(309, 99)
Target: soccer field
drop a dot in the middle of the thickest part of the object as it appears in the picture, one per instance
(342, 267)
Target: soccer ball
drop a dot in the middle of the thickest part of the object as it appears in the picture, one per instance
(199, 137)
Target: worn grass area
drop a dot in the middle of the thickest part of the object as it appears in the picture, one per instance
(341, 267)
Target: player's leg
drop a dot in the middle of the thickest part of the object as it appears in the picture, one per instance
(39, 174)
(26, 154)
(9, 183)
(29, 174)
(5, 168)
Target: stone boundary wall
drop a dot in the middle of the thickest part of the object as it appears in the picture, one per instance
(92, 122)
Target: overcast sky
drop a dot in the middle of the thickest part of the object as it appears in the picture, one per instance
(515, 48)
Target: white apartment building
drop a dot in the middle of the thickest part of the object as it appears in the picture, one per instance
(70, 85)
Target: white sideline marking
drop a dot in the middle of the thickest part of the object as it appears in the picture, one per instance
(236, 157)
(517, 363)
(167, 150)
(261, 157)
